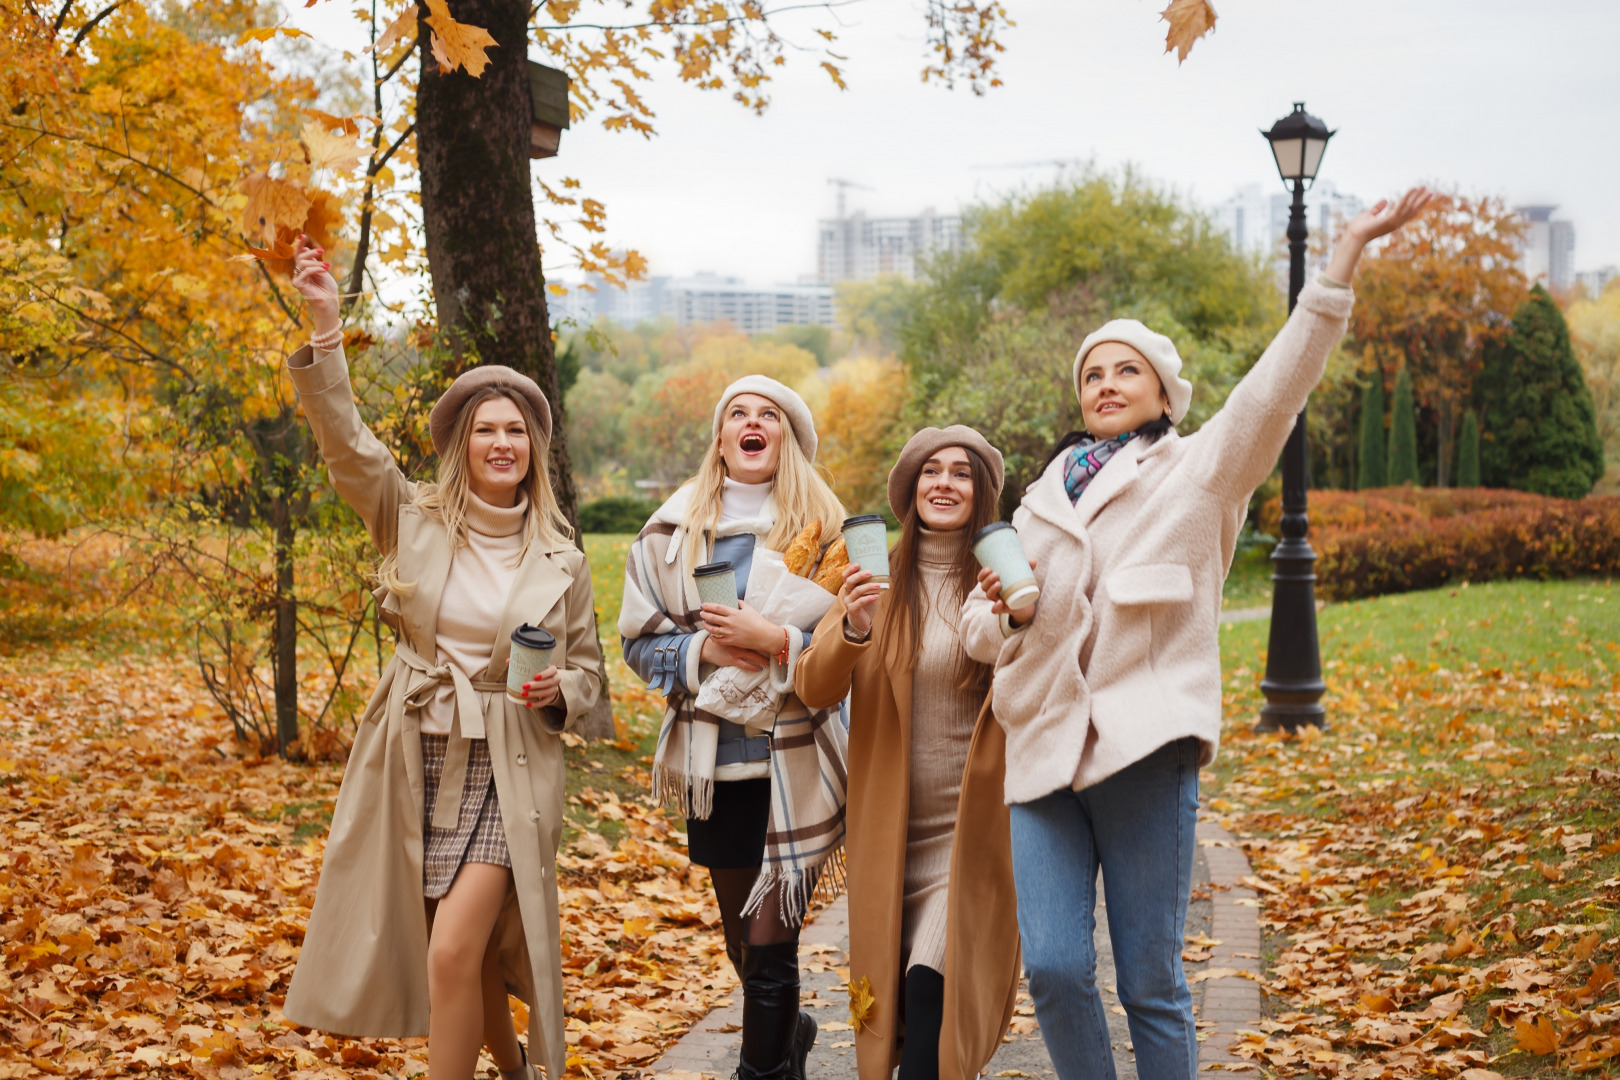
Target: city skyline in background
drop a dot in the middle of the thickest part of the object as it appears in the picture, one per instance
(853, 246)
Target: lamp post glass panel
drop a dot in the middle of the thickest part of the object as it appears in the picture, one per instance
(1293, 684)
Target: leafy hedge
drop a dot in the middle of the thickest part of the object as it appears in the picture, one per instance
(616, 514)
(1392, 540)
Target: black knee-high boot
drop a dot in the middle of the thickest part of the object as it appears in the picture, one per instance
(925, 1012)
(776, 1036)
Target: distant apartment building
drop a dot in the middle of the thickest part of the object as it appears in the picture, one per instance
(1257, 219)
(1547, 249)
(1595, 281)
(698, 301)
(858, 248)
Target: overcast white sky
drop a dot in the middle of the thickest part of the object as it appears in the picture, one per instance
(1507, 98)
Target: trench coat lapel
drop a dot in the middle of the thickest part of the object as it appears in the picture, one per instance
(424, 545)
(541, 582)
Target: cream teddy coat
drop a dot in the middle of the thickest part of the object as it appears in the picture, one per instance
(1122, 655)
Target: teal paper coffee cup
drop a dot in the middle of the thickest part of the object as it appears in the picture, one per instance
(998, 548)
(866, 538)
(717, 583)
(531, 654)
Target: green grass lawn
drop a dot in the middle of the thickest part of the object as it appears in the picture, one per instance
(1473, 742)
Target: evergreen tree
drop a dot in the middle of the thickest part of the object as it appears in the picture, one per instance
(1539, 419)
(1373, 470)
(1468, 451)
(1403, 466)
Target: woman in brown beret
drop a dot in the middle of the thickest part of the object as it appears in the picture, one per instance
(439, 881)
(932, 912)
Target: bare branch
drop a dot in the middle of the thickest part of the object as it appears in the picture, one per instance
(61, 16)
(828, 5)
(84, 30)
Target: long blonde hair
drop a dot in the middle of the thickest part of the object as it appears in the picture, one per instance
(446, 501)
(801, 496)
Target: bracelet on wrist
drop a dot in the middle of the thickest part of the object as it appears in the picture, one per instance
(328, 341)
(782, 657)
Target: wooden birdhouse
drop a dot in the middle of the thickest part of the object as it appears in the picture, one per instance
(548, 112)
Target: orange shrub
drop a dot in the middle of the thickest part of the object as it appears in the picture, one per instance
(1397, 539)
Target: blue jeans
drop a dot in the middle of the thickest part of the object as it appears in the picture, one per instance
(1138, 827)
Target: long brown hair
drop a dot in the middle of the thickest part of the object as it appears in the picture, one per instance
(908, 600)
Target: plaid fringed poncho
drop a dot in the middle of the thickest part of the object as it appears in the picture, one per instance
(805, 837)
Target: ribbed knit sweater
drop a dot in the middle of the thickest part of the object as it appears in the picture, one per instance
(942, 721)
(481, 577)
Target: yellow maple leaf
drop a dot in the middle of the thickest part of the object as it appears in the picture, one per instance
(861, 1003)
(457, 44)
(1189, 20)
(1537, 1038)
(326, 148)
(404, 24)
(265, 33)
(272, 204)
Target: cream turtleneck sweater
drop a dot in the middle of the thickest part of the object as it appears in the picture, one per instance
(481, 577)
(742, 502)
(942, 720)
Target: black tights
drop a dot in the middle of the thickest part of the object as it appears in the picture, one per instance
(763, 927)
(925, 1012)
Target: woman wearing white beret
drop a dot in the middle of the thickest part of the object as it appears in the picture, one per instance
(764, 804)
(1109, 685)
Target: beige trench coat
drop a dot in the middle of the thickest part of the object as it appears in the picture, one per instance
(363, 967)
(981, 922)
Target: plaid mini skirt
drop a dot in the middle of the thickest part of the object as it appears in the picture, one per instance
(478, 836)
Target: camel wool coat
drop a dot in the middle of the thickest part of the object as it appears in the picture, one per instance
(1123, 653)
(363, 966)
(981, 951)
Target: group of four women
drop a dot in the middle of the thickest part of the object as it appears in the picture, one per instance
(972, 767)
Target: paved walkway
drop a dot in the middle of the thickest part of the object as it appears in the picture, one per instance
(1223, 911)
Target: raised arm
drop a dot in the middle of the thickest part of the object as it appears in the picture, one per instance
(826, 668)
(1242, 441)
(362, 470)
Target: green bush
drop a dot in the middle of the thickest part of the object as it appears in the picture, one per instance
(1403, 466)
(1373, 471)
(1468, 452)
(616, 514)
(1540, 425)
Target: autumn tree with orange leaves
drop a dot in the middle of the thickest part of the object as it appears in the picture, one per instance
(1432, 297)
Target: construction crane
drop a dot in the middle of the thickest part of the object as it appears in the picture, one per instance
(843, 186)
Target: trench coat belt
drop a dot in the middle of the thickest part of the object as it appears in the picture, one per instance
(416, 688)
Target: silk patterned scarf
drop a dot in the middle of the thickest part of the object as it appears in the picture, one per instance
(1086, 461)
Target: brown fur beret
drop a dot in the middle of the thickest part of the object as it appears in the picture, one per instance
(923, 445)
(442, 420)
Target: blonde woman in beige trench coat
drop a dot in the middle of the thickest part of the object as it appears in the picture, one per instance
(377, 949)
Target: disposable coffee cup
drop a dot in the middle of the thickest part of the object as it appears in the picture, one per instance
(717, 583)
(531, 654)
(866, 538)
(998, 548)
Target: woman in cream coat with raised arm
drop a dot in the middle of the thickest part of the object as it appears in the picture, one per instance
(438, 891)
(1109, 685)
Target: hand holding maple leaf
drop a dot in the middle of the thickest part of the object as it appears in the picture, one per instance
(312, 277)
(1367, 226)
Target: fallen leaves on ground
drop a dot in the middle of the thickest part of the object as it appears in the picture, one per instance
(156, 882)
(1441, 865)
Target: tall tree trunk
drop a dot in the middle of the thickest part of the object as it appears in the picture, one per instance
(472, 143)
(286, 628)
(472, 147)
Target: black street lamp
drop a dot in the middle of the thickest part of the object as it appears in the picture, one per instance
(1293, 684)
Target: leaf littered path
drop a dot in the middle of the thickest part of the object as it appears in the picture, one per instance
(156, 879)
(1439, 870)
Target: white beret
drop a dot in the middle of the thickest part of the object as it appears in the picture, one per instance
(798, 413)
(1160, 352)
